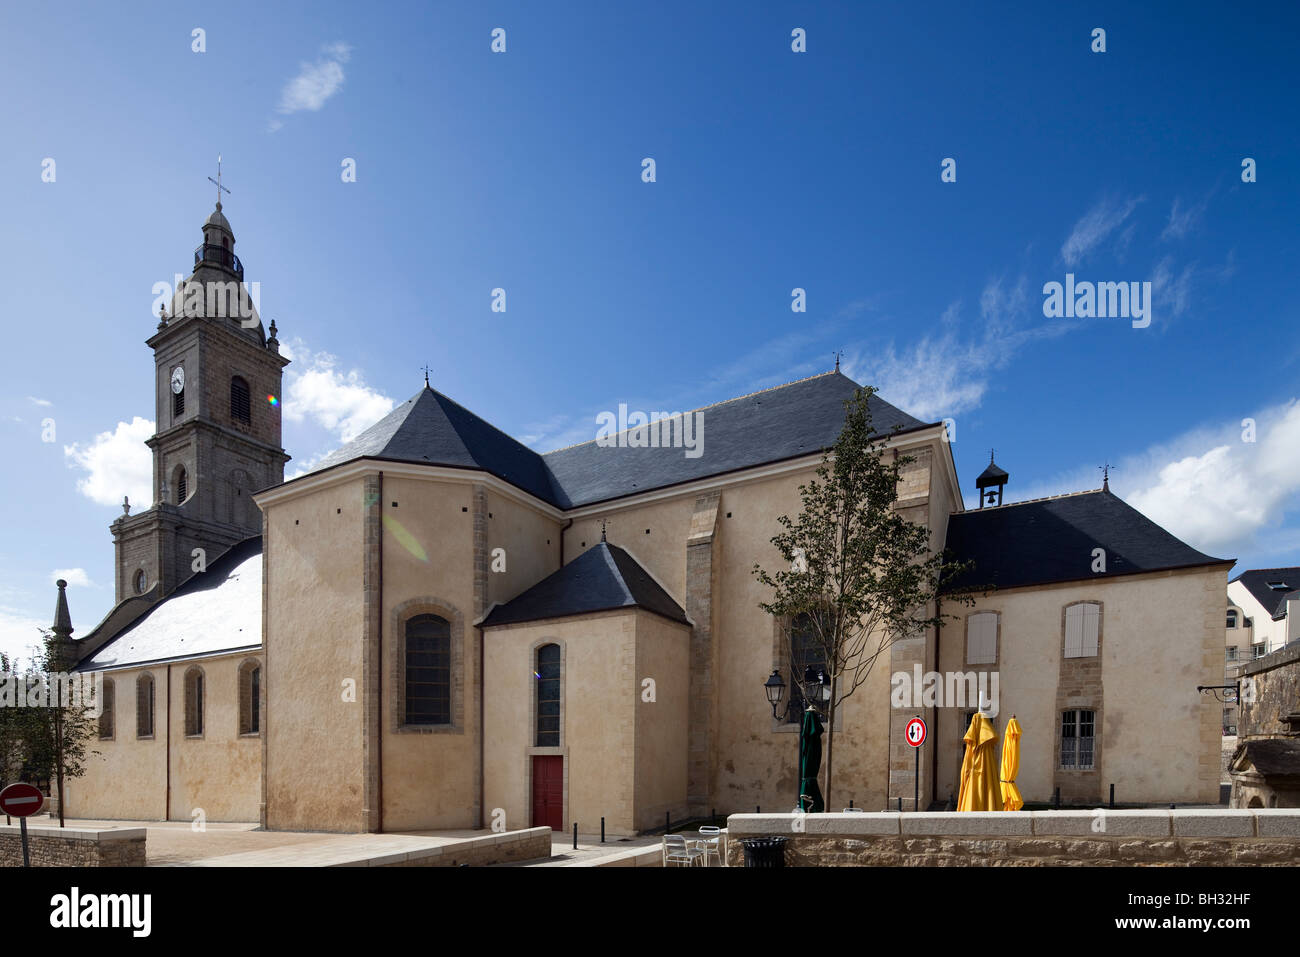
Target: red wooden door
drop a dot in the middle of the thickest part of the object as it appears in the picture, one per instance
(548, 791)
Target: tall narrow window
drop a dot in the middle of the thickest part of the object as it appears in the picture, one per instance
(182, 485)
(144, 706)
(982, 638)
(428, 670)
(106, 715)
(806, 652)
(194, 702)
(1232, 618)
(1082, 630)
(239, 407)
(250, 680)
(548, 696)
(1077, 739)
(178, 404)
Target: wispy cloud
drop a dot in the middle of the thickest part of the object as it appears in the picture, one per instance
(116, 463)
(1174, 292)
(315, 82)
(41, 402)
(1098, 223)
(1182, 218)
(20, 636)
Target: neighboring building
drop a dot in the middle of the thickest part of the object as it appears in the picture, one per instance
(438, 627)
(1266, 764)
(1263, 611)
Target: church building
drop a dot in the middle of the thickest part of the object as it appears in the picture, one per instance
(438, 627)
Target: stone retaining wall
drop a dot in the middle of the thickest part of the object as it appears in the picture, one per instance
(527, 845)
(73, 847)
(1027, 838)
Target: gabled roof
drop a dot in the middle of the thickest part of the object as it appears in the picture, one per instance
(431, 429)
(602, 578)
(993, 475)
(1049, 540)
(785, 422)
(217, 610)
(1273, 601)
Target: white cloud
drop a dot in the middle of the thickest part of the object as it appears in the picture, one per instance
(1096, 224)
(118, 463)
(1175, 292)
(20, 638)
(1215, 490)
(315, 82)
(73, 576)
(338, 401)
(42, 402)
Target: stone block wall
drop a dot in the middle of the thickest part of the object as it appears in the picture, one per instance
(73, 847)
(527, 845)
(1027, 839)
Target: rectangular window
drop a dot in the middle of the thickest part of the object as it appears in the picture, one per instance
(144, 707)
(1258, 650)
(1232, 653)
(1082, 630)
(548, 696)
(1077, 740)
(807, 652)
(428, 670)
(982, 639)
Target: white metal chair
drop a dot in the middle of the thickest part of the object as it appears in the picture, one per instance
(677, 851)
(711, 838)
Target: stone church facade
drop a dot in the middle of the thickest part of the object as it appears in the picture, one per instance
(437, 627)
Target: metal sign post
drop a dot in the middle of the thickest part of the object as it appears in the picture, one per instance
(916, 734)
(22, 800)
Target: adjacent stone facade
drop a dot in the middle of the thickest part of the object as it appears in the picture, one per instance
(1027, 839)
(73, 847)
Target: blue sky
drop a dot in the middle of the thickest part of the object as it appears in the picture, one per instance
(774, 170)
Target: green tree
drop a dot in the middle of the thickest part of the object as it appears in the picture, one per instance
(859, 575)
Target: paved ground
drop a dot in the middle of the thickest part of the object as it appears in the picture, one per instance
(177, 844)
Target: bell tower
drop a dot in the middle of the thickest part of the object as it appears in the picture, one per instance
(217, 378)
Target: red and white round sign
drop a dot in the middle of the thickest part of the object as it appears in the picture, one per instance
(916, 732)
(21, 800)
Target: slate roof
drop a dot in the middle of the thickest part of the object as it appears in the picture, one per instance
(602, 578)
(217, 610)
(1049, 540)
(770, 426)
(1255, 581)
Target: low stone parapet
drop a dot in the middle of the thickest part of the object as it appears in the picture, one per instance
(527, 845)
(73, 847)
(1028, 838)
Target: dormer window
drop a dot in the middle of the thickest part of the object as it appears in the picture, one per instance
(1279, 586)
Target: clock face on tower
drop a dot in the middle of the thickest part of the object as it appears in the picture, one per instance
(178, 379)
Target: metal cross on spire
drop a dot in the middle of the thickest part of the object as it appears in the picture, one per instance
(1105, 475)
(426, 370)
(220, 189)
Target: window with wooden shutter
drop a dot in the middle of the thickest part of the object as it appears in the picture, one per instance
(982, 638)
(239, 405)
(1082, 630)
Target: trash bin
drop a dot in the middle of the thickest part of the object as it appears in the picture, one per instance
(764, 852)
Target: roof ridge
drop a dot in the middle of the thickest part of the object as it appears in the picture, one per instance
(711, 405)
(1045, 498)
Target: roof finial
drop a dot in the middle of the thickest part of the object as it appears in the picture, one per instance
(220, 189)
(1105, 476)
(838, 353)
(602, 529)
(990, 456)
(425, 367)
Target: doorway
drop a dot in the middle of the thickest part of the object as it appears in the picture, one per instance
(548, 791)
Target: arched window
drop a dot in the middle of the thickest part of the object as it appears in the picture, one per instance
(250, 706)
(144, 706)
(428, 670)
(194, 702)
(239, 407)
(548, 696)
(141, 581)
(181, 483)
(107, 702)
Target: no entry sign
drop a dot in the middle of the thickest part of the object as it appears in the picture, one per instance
(916, 732)
(21, 800)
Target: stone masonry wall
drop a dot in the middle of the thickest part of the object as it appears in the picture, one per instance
(72, 847)
(1028, 839)
(528, 845)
